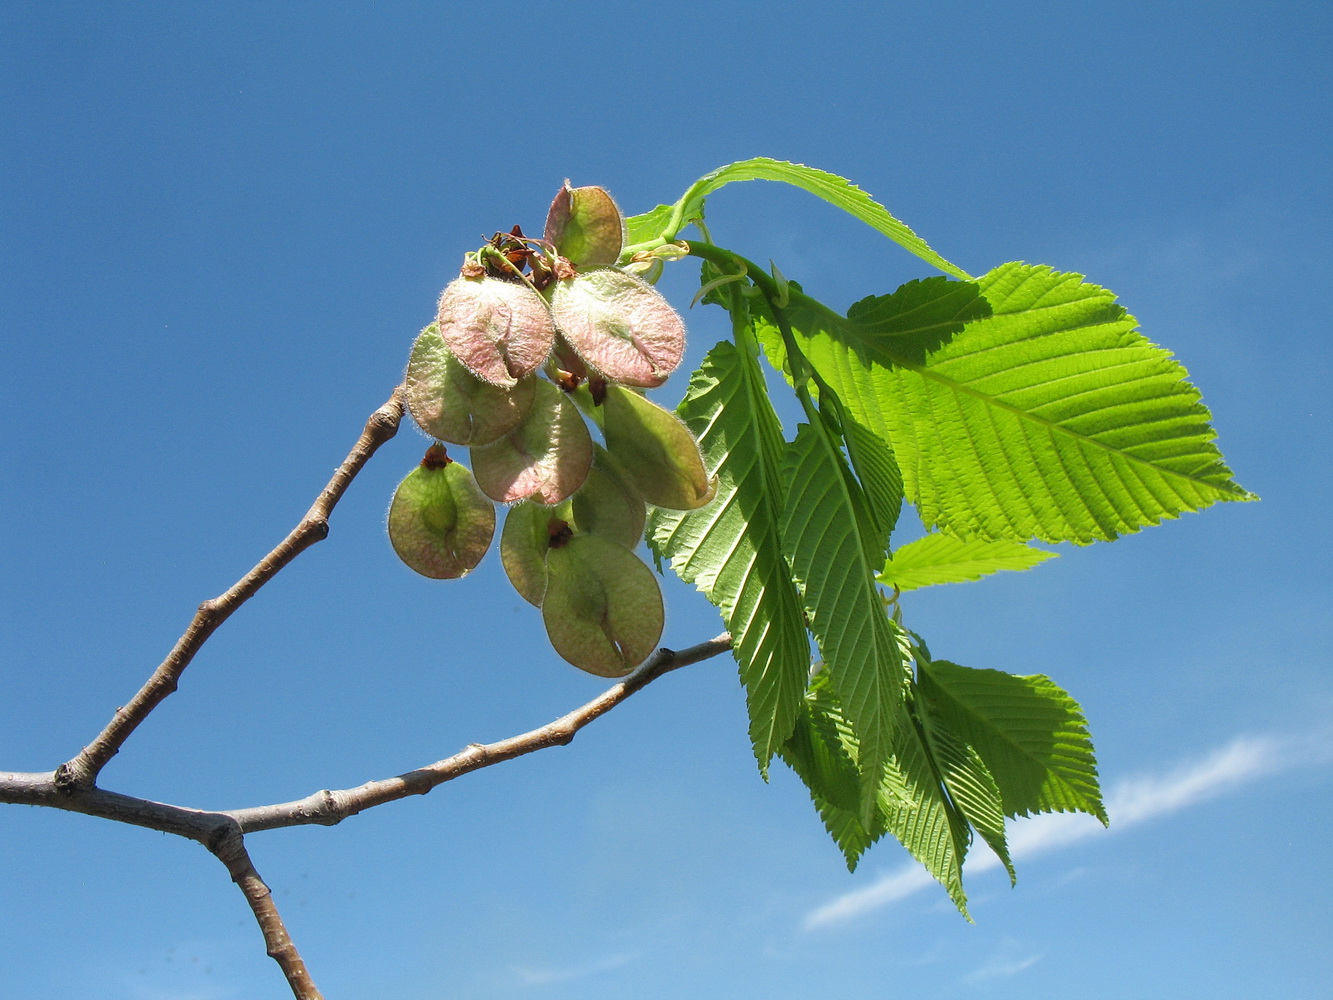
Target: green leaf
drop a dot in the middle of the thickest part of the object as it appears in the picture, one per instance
(730, 549)
(643, 228)
(818, 751)
(1024, 405)
(844, 826)
(871, 456)
(825, 532)
(877, 469)
(822, 750)
(663, 224)
(766, 329)
(918, 812)
(1030, 733)
(910, 800)
(971, 788)
(938, 558)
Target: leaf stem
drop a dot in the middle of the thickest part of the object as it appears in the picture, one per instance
(777, 295)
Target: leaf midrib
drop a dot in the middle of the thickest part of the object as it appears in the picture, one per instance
(879, 350)
(1002, 736)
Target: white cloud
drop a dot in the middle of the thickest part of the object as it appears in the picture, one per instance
(1132, 801)
(1001, 966)
(888, 889)
(542, 977)
(1137, 799)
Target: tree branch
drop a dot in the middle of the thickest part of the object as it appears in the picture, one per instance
(73, 785)
(81, 772)
(328, 808)
(230, 850)
(44, 789)
(223, 832)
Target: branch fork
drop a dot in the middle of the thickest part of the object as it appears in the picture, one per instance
(73, 785)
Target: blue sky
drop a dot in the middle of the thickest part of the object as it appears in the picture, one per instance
(222, 225)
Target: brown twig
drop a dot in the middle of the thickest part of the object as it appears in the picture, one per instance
(230, 850)
(223, 832)
(82, 770)
(73, 785)
(216, 831)
(328, 808)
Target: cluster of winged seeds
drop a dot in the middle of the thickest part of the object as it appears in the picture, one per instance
(532, 337)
